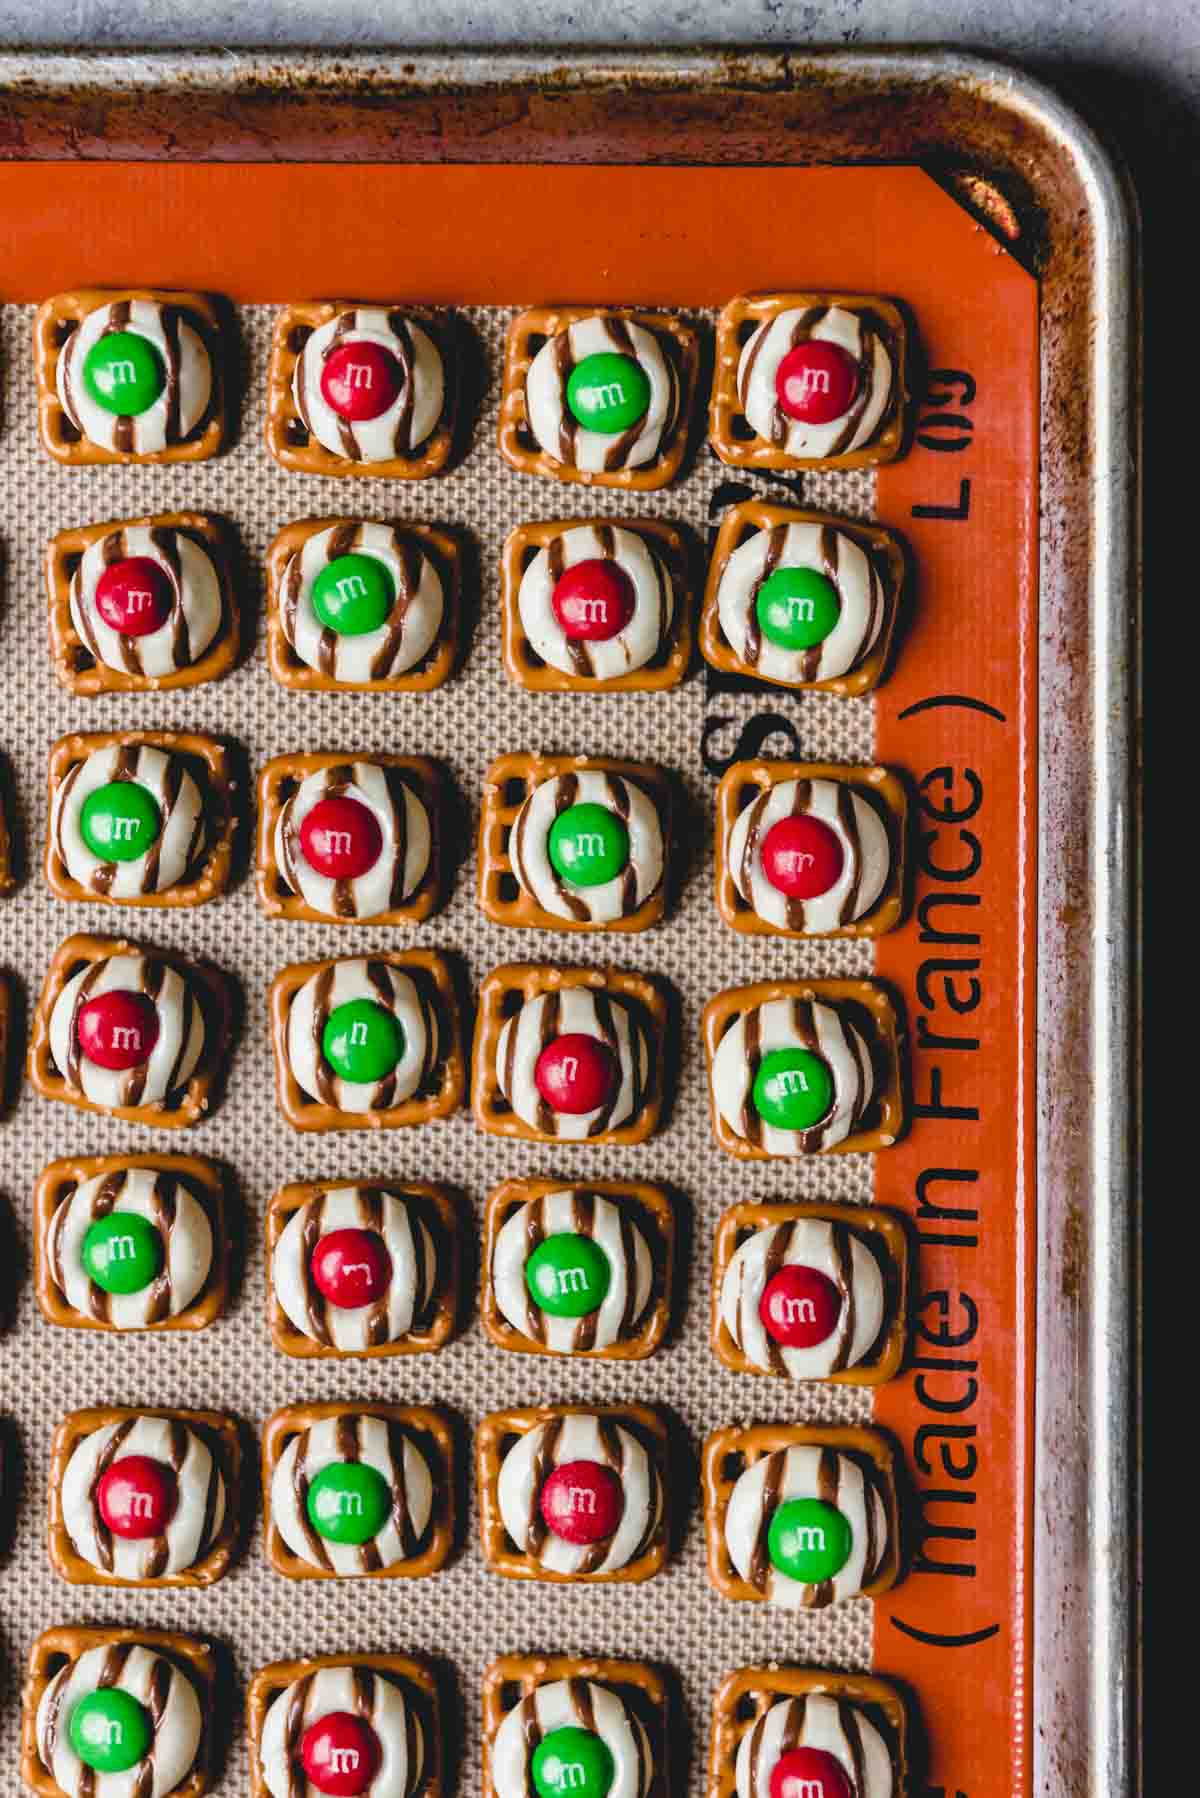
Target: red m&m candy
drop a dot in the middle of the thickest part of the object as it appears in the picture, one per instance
(361, 380)
(136, 1497)
(582, 1501)
(340, 1754)
(802, 856)
(117, 1030)
(816, 382)
(134, 596)
(593, 601)
(340, 837)
(800, 1306)
(809, 1773)
(351, 1268)
(576, 1073)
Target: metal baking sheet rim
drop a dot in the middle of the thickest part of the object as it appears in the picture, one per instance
(1076, 217)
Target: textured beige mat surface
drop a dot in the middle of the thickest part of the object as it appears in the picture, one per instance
(465, 1615)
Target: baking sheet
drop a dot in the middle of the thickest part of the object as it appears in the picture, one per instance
(676, 1619)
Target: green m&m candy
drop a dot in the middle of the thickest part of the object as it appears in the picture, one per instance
(353, 595)
(348, 1502)
(608, 392)
(122, 1252)
(572, 1760)
(123, 372)
(793, 1089)
(568, 1275)
(110, 1731)
(120, 821)
(797, 608)
(362, 1041)
(588, 845)
(809, 1540)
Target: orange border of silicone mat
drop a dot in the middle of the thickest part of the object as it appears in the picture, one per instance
(695, 237)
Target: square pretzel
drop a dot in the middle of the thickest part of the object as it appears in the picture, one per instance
(438, 1098)
(434, 668)
(522, 662)
(433, 1435)
(207, 761)
(432, 1329)
(413, 1676)
(503, 993)
(640, 1687)
(747, 1695)
(56, 322)
(279, 780)
(288, 437)
(649, 1207)
(883, 1233)
(884, 549)
(205, 1182)
(734, 437)
(881, 788)
(218, 1432)
(62, 1647)
(729, 1452)
(507, 784)
(77, 669)
(176, 1111)
(496, 1436)
(874, 1013)
(519, 447)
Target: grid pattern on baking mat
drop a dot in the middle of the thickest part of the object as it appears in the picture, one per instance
(464, 1615)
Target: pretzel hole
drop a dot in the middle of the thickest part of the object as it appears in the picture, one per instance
(532, 658)
(81, 660)
(741, 429)
(514, 791)
(536, 341)
(297, 337)
(510, 1695)
(71, 563)
(296, 433)
(745, 1710)
(733, 1465)
(508, 889)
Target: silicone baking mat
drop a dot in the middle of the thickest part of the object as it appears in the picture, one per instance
(955, 714)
